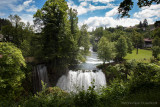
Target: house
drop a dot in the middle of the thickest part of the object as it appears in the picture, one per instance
(1, 37)
(147, 43)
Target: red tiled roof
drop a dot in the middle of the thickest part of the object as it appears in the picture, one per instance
(147, 40)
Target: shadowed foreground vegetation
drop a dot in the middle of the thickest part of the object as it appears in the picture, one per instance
(126, 88)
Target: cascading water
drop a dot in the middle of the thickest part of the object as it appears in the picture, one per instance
(83, 76)
(40, 74)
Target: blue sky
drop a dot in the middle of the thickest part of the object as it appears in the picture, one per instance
(95, 13)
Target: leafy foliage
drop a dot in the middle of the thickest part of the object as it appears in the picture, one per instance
(4, 22)
(137, 40)
(106, 50)
(156, 47)
(61, 38)
(11, 74)
(87, 98)
(19, 33)
(51, 97)
(126, 5)
(121, 48)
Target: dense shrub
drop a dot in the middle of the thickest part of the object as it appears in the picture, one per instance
(140, 84)
(141, 79)
(50, 97)
(11, 74)
(89, 98)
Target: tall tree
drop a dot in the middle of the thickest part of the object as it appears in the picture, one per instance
(73, 20)
(145, 23)
(84, 39)
(15, 20)
(106, 51)
(140, 25)
(137, 39)
(19, 33)
(55, 33)
(130, 45)
(121, 48)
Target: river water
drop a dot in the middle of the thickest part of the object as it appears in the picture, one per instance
(85, 75)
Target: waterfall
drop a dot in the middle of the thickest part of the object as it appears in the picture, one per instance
(81, 77)
(78, 80)
(40, 74)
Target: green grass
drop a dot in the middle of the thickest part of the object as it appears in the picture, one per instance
(142, 55)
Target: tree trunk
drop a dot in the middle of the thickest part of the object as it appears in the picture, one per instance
(137, 49)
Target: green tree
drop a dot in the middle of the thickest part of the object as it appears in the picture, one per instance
(11, 61)
(19, 33)
(73, 20)
(155, 51)
(145, 23)
(156, 32)
(16, 38)
(137, 39)
(130, 46)
(156, 47)
(156, 41)
(96, 36)
(140, 25)
(106, 51)
(84, 39)
(7, 31)
(116, 35)
(4, 22)
(121, 48)
(98, 33)
(55, 30)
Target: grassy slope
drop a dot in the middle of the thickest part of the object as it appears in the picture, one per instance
(142, 54)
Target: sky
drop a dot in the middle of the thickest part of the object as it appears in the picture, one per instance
(94, 13)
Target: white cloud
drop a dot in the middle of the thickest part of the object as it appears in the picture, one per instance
(32, 9)
(148, 12)
(7, 1)
(101, 1)
(26, 3)
(82, 9)
(21, 7)
(92, 7)
(83, 4)
(2, 14)
(113, 12)
(109, 21)
(17, 6)
(27, 18)
(94, 22)
(4, 4)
